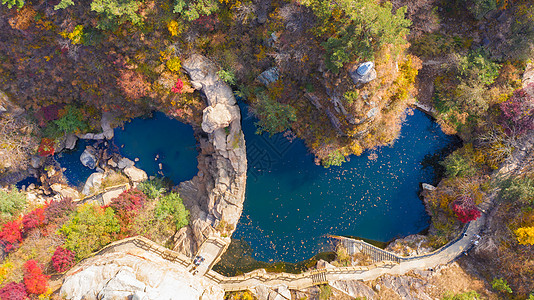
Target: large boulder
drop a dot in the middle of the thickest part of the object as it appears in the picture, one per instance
(93, 183)
(363, 73)
(88, 158)
(269, 76)
(218, 116)
(65, 191)
(70, 141)
(135, 174)
(105, 123)
(124, 163)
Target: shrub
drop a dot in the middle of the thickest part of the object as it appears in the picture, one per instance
(11, 3)
(153, 188)
(465, 214)
(517, 113)
(172, 206)
(11, 203)
(335, 158)
(34, 279)
(471, 295)
(518, 189)
(116, 12)
(325, 292)
(227, 76)
(63, 259)
(46, 147)
(13, 291)
(173, 28)
(525, 235)
(174, 64)
(501, 285)
(177, 88)
(34, 219)
(479, 8)
(57, 210)
(11, 235)
(274, 116)
(72, 120)
(91, 228)
(127, 204)
(456, 165)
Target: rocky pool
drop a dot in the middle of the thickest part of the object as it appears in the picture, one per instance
(292, 204)
(159, 145)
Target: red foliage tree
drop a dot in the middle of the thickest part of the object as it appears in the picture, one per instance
(177, 88)
(517, 113)
(63, 259)
(207, 23)
(34, 279)
(33, 219)
(57, 210)
(127, 204)
(46, 147)
(466, 214)
(11, 235)
(13, 291)
(48, 113)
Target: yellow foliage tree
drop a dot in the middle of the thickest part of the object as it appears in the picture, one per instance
(525, 235)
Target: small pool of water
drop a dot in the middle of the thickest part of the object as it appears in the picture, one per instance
(160, 140)
(75, 173)
(154, 141)
(291, 203)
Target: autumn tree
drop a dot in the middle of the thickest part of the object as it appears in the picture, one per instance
(357, 29)
(63, 259)
(34, 279)
(525, 235)
(13, 291)
(91, 228)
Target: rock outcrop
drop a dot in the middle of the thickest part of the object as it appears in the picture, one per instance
(135, 274)
(215, 196)
(135, 174)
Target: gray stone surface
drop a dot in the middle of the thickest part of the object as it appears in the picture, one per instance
(354, 288)
(70, 141)
(218, 116)
(124, 163)
(269, 76)
(217, 193)
(93, 184)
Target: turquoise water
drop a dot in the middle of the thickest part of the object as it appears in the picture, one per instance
(156, 140)
(291, 204)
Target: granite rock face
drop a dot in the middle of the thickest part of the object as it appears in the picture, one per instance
(215, 195)
(135, 274)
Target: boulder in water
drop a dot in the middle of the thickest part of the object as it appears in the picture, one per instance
(125, 163)
(88, 158)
